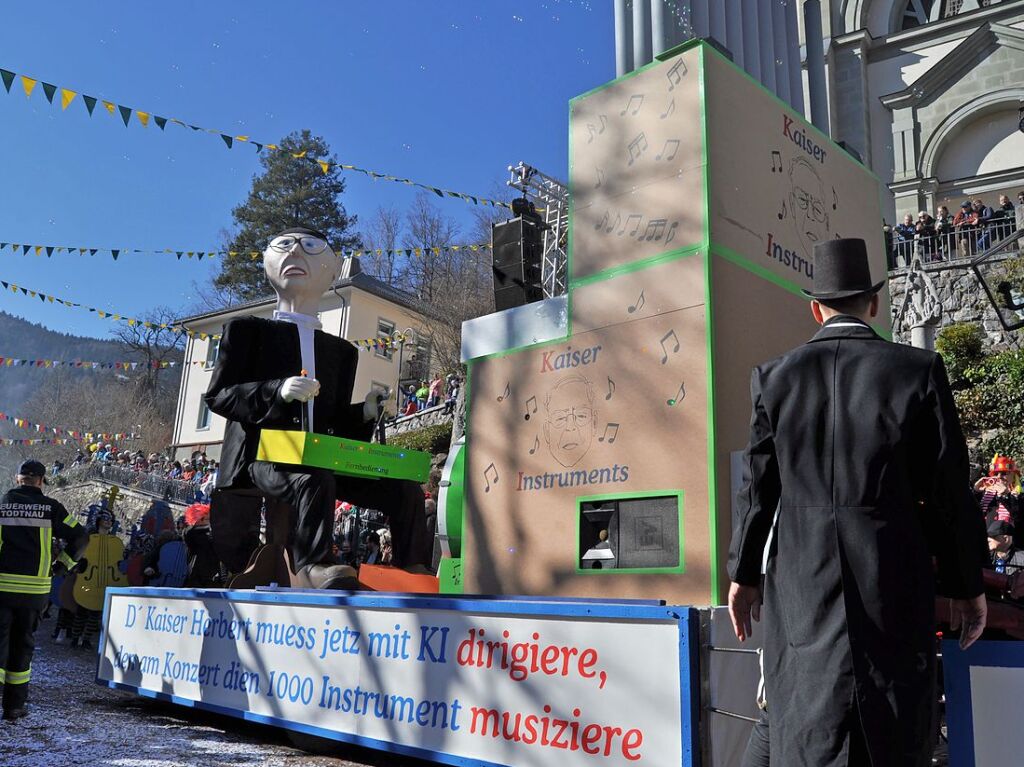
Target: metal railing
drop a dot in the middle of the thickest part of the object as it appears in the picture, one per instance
(947, 243)
(143, 482)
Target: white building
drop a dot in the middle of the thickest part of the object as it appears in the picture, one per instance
(358, 307)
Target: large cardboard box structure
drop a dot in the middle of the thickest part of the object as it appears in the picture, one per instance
(697, 198)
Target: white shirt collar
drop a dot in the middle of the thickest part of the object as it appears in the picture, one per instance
(302, 320)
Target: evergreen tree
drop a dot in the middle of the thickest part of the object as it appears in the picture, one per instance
(289, 192)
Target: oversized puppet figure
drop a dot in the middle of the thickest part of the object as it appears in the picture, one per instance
(286, 373)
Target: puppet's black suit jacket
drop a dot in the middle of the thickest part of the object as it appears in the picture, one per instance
(255, 357)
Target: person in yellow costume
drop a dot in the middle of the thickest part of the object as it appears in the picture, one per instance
(99, 571)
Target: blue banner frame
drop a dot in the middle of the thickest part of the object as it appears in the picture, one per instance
(685, 618)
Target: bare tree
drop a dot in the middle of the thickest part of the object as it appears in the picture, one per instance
(153, 343)
(384, 235)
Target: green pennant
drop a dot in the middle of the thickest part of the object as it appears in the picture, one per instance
(90, 103)
(115, 254)
(49, 90)
(8, 79)
(227, 140)
(161, 122)
(126, 114)
(49, 251)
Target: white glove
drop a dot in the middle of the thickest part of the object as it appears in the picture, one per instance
(372, 403)
(299, 388)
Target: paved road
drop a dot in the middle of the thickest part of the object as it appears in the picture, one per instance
(73, 720)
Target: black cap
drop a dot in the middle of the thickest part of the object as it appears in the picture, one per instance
(841, 270)
(999, 527)
(32, 468)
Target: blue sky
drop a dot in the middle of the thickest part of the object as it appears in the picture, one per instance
(444, 92)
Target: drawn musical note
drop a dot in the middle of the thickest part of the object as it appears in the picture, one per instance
(835, 199)
(639, 99)
(671, 108)
(528, 406)
(674, 75)
(611, 389)
(507, 393)
(638, 305)
(615, 223)
(536, 444)
(638, 218)
(600, 178)
(776, 158)
(670, 334)
(604, 124)
(487, 479)
(674, 143)
(603, 221)
(671, 232)
(680, 396)
(592, 131)
(637, 147)
(614, 428)
(782, 213)
(654, 230)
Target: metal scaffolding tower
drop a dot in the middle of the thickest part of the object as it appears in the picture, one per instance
(551, 197)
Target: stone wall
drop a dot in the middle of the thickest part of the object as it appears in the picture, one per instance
(420, 420)
(130, 505)
(963, 300)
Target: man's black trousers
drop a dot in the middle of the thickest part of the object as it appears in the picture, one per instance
(17, 627)
(312, 492)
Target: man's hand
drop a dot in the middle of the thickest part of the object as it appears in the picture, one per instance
(744, 604)
(371, 405)
(969, 614)
(299, 388)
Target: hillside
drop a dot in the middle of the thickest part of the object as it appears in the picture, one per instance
(26, 340)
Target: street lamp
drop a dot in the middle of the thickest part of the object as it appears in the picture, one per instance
(406, 335)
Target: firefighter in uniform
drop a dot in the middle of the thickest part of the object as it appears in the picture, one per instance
(29, 521)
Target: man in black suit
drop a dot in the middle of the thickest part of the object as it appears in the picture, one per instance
(286, 373)
(857, 460)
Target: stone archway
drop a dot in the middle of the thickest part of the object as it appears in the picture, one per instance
(962, 117)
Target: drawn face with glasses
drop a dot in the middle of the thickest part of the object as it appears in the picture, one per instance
(807, 198)
(571, 417)
(300, 267)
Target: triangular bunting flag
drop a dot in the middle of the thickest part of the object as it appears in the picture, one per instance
(143, 118)
(49, 90)
(109, 106)
(28, 84)
(66, 97)
(115, 254)
(257, 145)
(324, 166)
(8, 78)
(92, 251)
(24, 249)
(126, 114)
(90, 103)
(227, 140)
(49, 252)
(161, 122)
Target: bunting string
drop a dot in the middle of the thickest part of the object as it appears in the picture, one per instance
(77, 434)
(143, 118)
(252, 255)
(51, 441)
(86, 365)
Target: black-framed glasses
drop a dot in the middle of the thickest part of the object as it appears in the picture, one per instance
(311, 246)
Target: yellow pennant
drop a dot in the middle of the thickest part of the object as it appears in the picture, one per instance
(143, 118)
(66, 97)
(28, 84)
(324, 166)
(110, 107)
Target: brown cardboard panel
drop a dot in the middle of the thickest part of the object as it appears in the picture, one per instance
(634, 296)
(523, 475)
(777, 186)
(754, 321)
(636, 169)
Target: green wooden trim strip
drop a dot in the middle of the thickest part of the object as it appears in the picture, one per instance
(635, 266)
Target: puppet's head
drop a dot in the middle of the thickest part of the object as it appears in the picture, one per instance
(300, 265)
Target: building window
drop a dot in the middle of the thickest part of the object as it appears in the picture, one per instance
(212, 351)
(915, 14)
(385, 329)
(204, 415)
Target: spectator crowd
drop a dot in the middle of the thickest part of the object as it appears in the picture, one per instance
(972, 230)
(193, 479)
(440, 390)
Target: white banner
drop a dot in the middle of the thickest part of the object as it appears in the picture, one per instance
(508, 689)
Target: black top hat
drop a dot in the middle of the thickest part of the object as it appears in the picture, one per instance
(841, 270)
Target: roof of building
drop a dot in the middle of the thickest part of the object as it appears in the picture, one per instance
(359, 280)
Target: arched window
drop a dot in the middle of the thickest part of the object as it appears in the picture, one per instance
(915, 14)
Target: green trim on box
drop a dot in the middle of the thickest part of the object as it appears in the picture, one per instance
(761, 271)
(635, 266)
(710, 340)
(824, 137)
(671, 53)
(678, 569)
